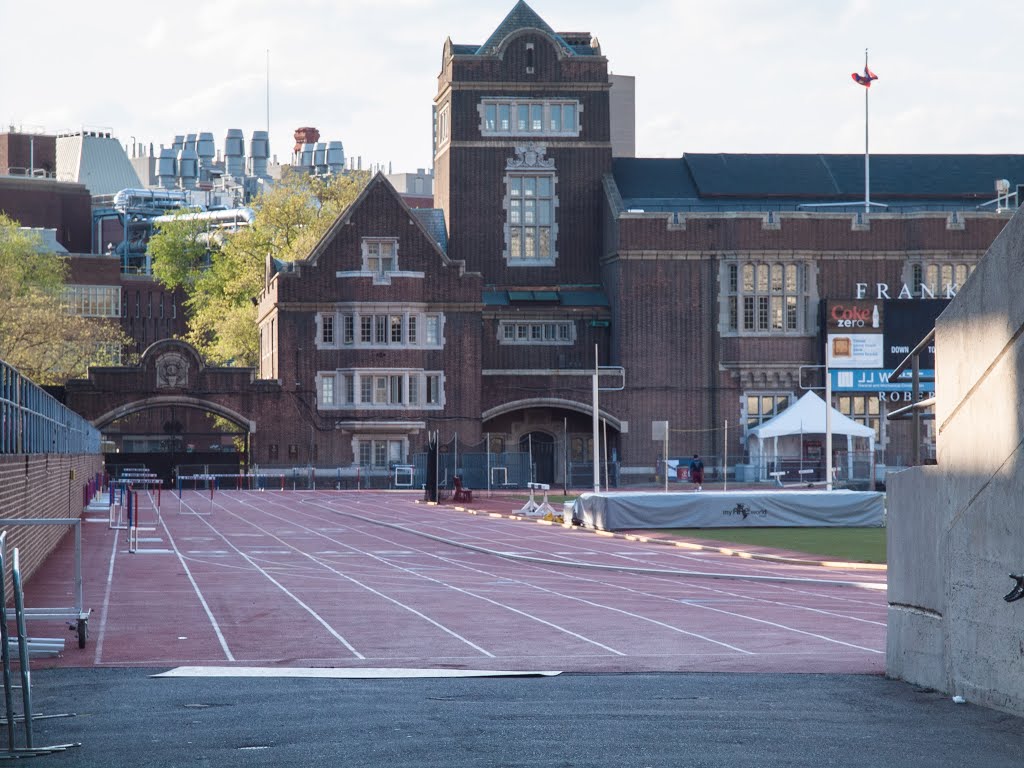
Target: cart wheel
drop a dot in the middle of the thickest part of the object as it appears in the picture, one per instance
(83, 632)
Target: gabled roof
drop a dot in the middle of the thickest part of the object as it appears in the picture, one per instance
(427, 224)
(520, 17)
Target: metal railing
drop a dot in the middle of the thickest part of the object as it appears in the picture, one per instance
(918, 410)
(33, 421)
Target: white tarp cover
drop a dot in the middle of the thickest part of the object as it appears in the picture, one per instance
(807, 416)
(730, 509)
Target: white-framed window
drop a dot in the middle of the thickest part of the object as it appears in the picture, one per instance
(92, 300)
(380, 452)
(939, 279)
(759, 407)
(327, 390)
(766, 298)
(382, 389)
(530, 212)
(529, 117)
(380, 255)
(549, 332)
(381, 327)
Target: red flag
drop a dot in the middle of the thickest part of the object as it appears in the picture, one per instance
(864, 79)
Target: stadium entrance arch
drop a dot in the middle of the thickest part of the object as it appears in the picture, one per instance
(558, 435)
(171, 411)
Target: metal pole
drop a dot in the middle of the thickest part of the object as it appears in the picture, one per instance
(605, 424)
(488, 438)
(725, 457)
(828, 425)
(664, 456)
(597, 445)
(867, 172)
(79, 598)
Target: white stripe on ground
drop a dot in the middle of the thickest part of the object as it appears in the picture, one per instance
(202, 600)
(284, 589)
(334, 673)
(106, 601)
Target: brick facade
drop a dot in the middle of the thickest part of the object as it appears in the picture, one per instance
(41, 485)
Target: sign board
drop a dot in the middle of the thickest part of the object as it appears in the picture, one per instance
(877, 381)
(906, 323)
(854, 333)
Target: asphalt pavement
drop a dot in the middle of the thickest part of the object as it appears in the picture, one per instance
(126, 717)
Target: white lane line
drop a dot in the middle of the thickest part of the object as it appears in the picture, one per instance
(782, 626)
(365, 673)
(503, 581)
(281, 586)
(106, 601)
(452, 587)
(355, 581)
(202, 600)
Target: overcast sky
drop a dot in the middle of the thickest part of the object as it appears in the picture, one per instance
(711, 76)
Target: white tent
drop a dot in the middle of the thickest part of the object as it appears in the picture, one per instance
(783, 435)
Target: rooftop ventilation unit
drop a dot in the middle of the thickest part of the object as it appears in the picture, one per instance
(335, 157)
(234, 153)
(167, 167)
(259, 154)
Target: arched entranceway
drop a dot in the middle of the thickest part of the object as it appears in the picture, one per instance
(541, 447)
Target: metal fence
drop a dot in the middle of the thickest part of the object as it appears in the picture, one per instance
(33, 421)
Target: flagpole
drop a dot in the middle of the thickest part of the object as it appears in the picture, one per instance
(867, 163)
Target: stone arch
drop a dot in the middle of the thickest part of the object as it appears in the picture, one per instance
(551, 402)
(182, 401)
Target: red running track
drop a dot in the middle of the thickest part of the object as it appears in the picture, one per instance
(366, 579)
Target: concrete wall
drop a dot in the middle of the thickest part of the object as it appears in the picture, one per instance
(957, 529)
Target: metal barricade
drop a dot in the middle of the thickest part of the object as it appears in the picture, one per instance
(22, 641)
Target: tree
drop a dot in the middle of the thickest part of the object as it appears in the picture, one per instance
(221, 275)
(37, 334)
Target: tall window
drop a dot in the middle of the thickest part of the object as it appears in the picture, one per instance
(530, 217)
(327, 390)
(766, 298)
(327, 329)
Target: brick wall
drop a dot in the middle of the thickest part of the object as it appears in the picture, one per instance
(40, 485)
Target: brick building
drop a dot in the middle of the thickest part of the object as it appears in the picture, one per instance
(705, 277)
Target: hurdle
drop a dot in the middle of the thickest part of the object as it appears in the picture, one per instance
(532, 508)
(77, 615)
(210, 483)
(22, 643)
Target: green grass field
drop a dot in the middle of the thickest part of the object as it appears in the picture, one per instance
(855, 545)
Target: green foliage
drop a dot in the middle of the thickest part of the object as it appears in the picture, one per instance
(290, 219)
(37, 335)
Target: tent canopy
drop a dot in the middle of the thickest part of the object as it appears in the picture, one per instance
(807, 416)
